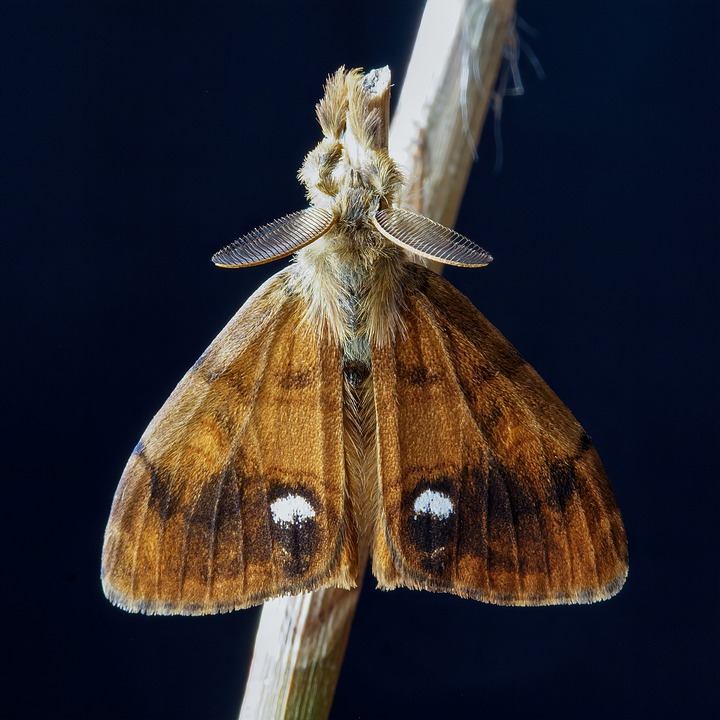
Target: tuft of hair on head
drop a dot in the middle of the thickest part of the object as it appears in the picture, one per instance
(331, 110)
(362, 121)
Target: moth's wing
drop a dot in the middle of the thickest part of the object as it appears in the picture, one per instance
(490, 489)
(277, 239)
(426, 238)
(236, 491)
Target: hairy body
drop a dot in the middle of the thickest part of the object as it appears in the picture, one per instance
(358, 403)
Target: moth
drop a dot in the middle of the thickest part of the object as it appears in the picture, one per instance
(359, 404)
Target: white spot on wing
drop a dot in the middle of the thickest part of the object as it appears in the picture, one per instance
(432, 502)
(291, 510)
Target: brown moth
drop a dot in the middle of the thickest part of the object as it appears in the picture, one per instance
(359, 403)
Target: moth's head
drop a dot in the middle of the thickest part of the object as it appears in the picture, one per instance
(350, 172)
(352, 185)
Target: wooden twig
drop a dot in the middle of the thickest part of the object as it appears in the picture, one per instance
(445, 98)
(301, 640)
(299, 649)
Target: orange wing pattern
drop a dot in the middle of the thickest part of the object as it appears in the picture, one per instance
(490, 488)
(236, 491)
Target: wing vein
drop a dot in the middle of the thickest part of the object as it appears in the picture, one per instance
(241, 530)
(139, 535)
(186, 538)
(212, 544)
(513, 512)
(590, 540)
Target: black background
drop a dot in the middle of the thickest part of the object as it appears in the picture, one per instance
(137, 138)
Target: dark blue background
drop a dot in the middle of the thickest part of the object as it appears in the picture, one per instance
(137, 138)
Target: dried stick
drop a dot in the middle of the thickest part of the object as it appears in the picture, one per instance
(301, 640)
(445, 98)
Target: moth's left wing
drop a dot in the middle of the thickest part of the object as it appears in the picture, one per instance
(237, 492)
(490, 489)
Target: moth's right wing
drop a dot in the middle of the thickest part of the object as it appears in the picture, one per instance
(490, 489)
(236, 491)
